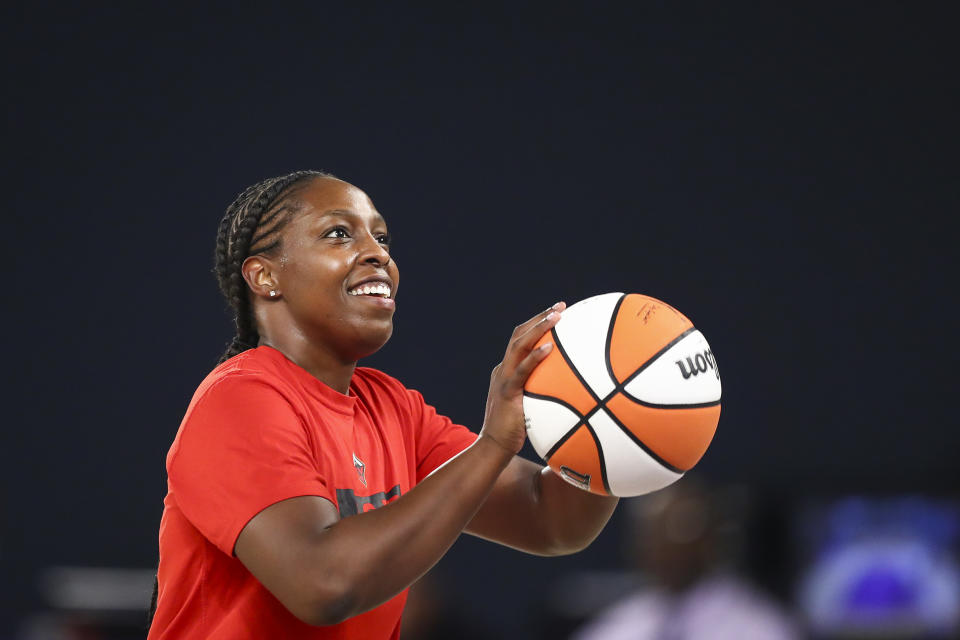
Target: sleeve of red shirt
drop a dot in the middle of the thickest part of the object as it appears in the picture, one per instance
(242, 448)
(439, 438)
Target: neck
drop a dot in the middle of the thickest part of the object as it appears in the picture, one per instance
(322, 365)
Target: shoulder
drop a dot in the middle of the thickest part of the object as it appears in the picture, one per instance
(236, 396)
(371, 376)
(375, 388)
(241, 374)
(367, 380)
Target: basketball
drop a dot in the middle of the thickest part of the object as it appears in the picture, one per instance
(629, 398)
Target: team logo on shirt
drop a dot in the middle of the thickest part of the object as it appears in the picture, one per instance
(361, 468)
(350, 504)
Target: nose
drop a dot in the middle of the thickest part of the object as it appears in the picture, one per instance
(373, 252)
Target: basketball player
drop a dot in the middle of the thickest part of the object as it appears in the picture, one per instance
(305, 493)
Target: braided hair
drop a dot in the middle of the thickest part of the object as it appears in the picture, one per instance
(251, 225)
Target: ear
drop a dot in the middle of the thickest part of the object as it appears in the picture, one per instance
(259, 273)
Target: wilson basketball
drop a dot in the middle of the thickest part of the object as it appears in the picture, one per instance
(629, 398)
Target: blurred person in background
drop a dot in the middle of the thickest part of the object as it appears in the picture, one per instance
(693, 592)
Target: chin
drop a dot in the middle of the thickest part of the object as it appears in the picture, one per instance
(373, 342)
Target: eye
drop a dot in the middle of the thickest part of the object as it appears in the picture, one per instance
(337, 232)
(384, 238)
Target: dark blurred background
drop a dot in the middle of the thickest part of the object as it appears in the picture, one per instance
(786, 176)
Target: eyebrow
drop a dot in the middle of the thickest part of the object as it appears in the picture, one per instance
(350, 214)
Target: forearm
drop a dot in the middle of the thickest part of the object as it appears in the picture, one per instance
(533, 510)
(573, 517)
(373, 556)
(325, 569)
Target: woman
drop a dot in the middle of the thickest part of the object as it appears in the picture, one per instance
(299, 503)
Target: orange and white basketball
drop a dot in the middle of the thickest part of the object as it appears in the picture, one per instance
(629, 398)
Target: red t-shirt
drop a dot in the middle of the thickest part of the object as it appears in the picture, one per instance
(260, 430)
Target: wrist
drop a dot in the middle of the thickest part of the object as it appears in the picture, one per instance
(495, 448)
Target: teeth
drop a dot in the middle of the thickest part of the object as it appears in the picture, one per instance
(371, 289)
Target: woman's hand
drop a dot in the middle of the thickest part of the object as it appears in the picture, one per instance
(325, 569)
(503, 421)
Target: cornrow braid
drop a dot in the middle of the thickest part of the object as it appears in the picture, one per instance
(251, 225)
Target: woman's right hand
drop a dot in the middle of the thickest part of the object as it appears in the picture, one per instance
(325, 569)
(503, 420)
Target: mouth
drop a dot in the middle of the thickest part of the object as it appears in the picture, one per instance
(375, 288)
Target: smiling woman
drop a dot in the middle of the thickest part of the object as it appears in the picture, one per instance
(305, 493)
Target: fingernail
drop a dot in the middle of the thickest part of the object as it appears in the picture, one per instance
(546, 346)
(551, 315)
(557, 306)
